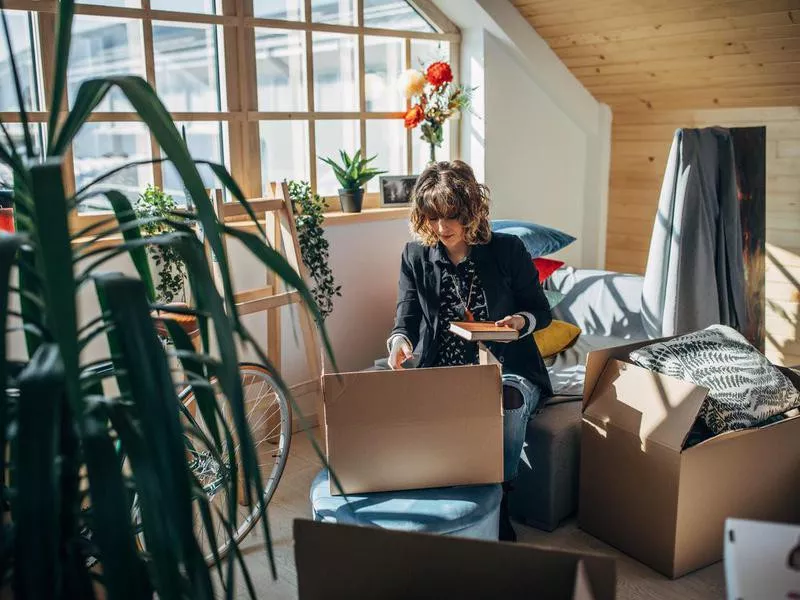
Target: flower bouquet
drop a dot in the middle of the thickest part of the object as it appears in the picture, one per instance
(434, 99)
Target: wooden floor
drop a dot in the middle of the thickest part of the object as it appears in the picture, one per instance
(634, 580)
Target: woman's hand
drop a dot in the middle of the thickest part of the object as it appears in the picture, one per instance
(401, 352)
(514, 321)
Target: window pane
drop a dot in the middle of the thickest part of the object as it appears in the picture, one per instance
(187, 67)
(424, 52)
(394, 14)
(15, 132)
(103, 46)
(118, 3)
(290, 10)
(385, 60)
(386, 138)
(281, 70)
(335, 72)
(100, 147)
(342, 12)
(421, 152)
(19, 26)
(206, 141)
(284, 151)
(193, 6)
(333, 136)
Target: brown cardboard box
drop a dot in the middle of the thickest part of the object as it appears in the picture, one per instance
(640, 492)
(343, 561)
(414, 428)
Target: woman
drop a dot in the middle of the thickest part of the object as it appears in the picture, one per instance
(460, 270)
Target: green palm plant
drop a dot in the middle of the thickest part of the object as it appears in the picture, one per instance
(72, 457)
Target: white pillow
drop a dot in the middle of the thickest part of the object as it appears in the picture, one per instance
(745, 387)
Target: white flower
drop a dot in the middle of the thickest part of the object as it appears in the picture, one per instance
(411, 83)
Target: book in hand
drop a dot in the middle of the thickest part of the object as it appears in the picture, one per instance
(483, 331)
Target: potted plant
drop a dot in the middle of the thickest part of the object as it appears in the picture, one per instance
(156, 208)
(352, 174)
(309, 216)
(78, 444)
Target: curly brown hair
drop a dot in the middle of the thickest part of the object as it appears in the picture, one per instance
(449, 190)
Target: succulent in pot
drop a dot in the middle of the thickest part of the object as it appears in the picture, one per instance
(352, 173)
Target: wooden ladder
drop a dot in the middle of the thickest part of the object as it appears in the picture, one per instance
(281, 232)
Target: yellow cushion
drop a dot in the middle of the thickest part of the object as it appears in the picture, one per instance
(555, 337)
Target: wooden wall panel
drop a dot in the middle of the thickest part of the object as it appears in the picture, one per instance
(636, 182)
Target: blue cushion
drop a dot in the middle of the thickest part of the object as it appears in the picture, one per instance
(436, 510)
(538, 239)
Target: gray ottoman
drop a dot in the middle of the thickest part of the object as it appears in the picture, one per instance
(546, 490)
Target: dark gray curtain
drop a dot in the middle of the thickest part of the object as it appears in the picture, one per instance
(695, 269)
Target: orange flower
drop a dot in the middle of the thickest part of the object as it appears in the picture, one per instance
(414, 116)
(439, 73)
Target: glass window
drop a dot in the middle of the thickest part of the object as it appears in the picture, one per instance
(424, 52)
(421, 151)
(103, 46)
(117, 3)
(394, 14)
(288, 10)
(341, 12)
(187, 66)
(332, 136)
(100, 147)
(20, 26)
(281, 70)
(335, 72)
(15, 133)
(284, 151)
(384, 63)
(386, 138)
(206, 141)
(193, 6)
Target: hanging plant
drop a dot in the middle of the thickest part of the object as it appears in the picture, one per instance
(308, 209)
(153, 202)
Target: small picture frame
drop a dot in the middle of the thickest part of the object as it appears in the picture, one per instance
(396, 190)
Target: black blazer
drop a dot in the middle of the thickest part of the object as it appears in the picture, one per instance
(511, 284)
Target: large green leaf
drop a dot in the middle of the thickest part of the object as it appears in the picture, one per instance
(159, 462)
(56, 267)
(152, 111)
(63, 44)
(37, 505)
(124, 572)
(126, 216)
(274, 261)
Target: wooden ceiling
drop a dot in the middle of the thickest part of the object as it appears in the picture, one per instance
(676, 54)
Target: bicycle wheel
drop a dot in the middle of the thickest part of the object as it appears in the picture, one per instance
(269, 418)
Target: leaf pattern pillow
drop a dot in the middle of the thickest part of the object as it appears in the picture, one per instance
(745, 388)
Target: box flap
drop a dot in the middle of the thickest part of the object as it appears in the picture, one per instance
(597, 359)
(414, 428)
(343, 561)
(654, 407)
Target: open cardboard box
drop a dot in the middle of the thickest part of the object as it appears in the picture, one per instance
(641, 492)
(414, 428)
(343, 561)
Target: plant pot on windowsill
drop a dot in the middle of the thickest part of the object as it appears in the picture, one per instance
(351, 200)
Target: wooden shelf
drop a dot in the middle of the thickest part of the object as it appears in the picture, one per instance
(331, 218)
(366, 215)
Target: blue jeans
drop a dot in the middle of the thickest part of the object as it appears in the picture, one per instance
(515, 422)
